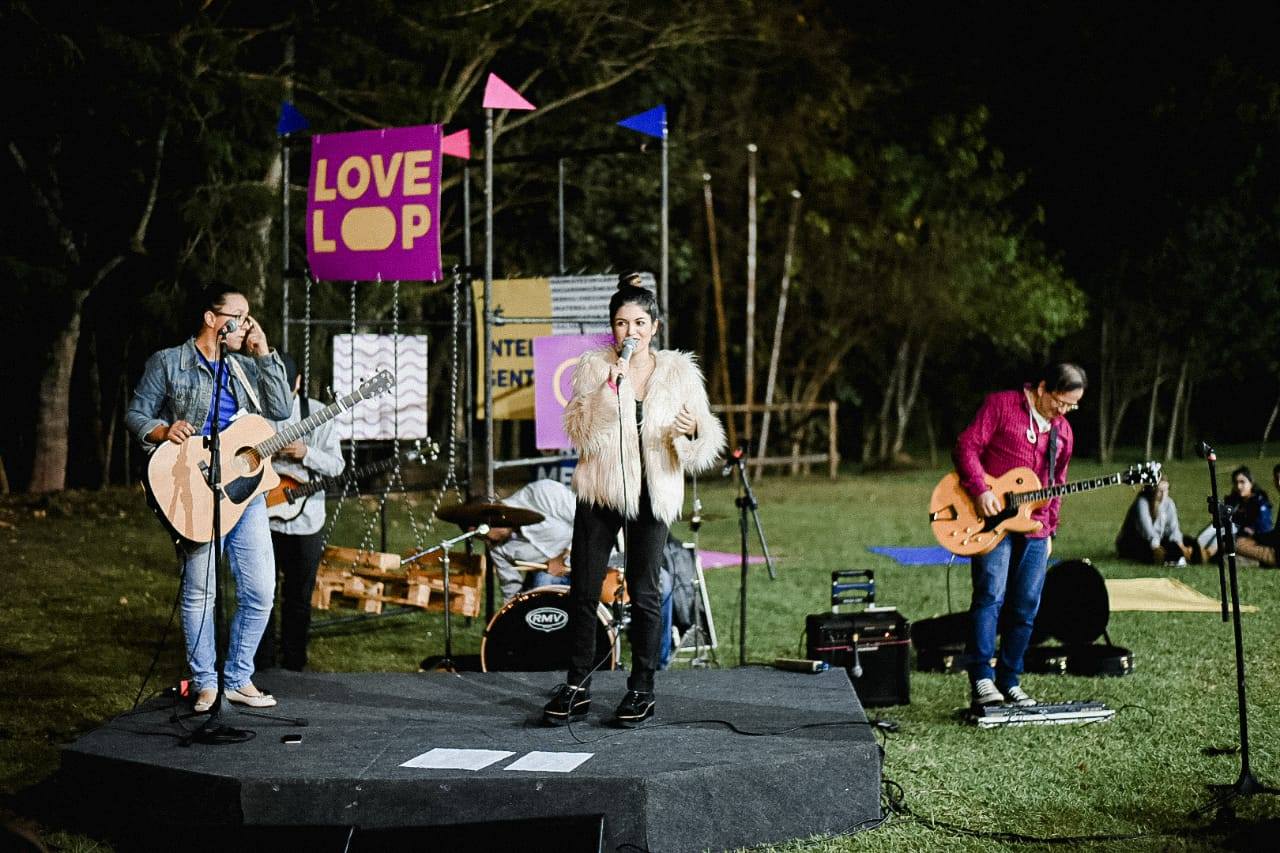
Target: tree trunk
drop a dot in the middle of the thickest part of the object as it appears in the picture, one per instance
(1184, 428)
(1176, 413)
(1266, 431)
(907, 402)
(53, 415)
(897, 377)
(1104, 395)
(1156, 379)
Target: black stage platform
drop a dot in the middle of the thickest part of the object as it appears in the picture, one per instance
(679, 782)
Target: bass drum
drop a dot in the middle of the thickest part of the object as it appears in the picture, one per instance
(531, 634)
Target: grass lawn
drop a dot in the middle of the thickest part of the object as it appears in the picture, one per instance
(90, 580)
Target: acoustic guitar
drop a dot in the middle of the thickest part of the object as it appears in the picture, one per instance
(960, 529)
(177, 481)
(288, 499)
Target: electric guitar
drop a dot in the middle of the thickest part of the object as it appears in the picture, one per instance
(287, 501)
(963, 531)
(177, 479)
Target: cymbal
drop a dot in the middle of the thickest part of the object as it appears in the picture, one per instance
(493, 514)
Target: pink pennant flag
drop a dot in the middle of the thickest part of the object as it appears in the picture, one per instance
(499, 96)
(457, 144)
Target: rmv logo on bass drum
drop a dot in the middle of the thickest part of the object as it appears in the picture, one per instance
(547, 619)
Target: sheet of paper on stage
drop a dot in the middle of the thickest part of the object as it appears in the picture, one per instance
(550, 762)
(457, 759)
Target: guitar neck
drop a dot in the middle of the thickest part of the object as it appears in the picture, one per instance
(307, 489)
(1065, 489)
(293, 432)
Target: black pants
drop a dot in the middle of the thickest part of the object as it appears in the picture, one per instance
(595, 529)
(297, 559)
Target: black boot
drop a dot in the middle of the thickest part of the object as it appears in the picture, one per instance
(570, 701)
(635, 708)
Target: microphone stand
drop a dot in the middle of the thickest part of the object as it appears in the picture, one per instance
(446, 663)
(746, 502)
(213, 731)
(1246, 784)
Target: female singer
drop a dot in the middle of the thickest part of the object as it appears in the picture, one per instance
(640, 419)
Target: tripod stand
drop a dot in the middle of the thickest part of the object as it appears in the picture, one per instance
(1246, 784)
(746, 503)
(446, 664)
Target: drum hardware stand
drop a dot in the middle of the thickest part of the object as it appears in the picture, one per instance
(746, 502)
(446, 664)
(1246, 784)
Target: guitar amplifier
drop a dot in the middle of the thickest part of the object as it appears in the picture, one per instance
(882, 642)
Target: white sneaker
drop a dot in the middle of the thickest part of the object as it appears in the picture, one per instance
(985, 692)
(1018, 696)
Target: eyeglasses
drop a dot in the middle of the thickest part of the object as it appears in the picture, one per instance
(239, 318)
(1061, 404)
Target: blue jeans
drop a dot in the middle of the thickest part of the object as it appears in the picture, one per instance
(248, 547)
(1012, 572)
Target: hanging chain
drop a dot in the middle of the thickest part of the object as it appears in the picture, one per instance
(397, 475)
(451, 474)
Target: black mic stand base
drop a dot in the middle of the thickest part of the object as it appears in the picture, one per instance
(1220, 806)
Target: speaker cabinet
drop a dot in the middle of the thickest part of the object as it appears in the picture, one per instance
(876, 641)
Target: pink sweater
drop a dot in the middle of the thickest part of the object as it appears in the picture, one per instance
(996, 442)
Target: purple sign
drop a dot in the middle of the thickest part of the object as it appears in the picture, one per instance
(554, 359)
(373, 205)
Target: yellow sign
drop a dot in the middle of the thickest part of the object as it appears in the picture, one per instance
(512, 346)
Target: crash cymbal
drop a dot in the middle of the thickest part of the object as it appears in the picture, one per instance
(472, 515)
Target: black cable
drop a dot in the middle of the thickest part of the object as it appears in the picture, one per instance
(164, 638)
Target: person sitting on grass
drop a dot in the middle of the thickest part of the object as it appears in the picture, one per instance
(1263, 546)
(1150, 532)
(1250, 511)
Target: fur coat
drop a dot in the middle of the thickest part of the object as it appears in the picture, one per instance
(591, 422)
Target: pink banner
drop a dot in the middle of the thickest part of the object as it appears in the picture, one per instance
(373, 205)
(554, 359)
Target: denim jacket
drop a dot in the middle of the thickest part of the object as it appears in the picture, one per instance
(177, 386)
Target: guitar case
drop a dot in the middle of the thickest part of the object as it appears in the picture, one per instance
(1074, 610)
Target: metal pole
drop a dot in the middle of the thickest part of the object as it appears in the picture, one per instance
(490, 491)
(284, 244)
(666, 252)
(749, 394)
(777, 327)
(468, 373)
(560, 199)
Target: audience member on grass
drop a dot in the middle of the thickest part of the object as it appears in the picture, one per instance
(1265, 545)
(1150, 532)
(1024, 427)
(1250, 511)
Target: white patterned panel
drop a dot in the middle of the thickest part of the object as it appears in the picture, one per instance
(585, 296)
(399, 413)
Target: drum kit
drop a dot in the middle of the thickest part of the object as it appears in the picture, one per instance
(530, 632)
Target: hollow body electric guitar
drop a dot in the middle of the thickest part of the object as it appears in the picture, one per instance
(960, 529)
(288, 499)
(177, 474)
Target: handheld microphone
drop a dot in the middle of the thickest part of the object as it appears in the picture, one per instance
(1204, 451)
(228, 327)
(628, 349)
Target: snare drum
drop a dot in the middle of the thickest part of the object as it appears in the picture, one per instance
(531, 634)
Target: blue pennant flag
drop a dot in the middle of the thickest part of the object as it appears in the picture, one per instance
(291, 120)
(650, 122)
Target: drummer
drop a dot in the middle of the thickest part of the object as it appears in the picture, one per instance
(546, 542)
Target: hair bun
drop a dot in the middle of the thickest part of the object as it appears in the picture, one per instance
(631, 279)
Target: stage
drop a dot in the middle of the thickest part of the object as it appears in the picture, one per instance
(802, 762)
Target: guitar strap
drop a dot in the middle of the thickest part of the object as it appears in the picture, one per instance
(253, 395)
(1052, 453)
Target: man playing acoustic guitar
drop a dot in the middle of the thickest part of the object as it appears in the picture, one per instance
(1022, 428)
(173, 402)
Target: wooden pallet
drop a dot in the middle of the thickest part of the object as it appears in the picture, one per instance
(372, 579)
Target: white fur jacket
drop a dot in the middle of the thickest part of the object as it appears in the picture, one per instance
(591, 422)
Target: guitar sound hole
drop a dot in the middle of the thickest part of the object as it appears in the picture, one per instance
(248, 462)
